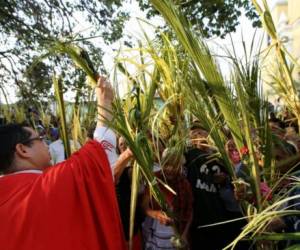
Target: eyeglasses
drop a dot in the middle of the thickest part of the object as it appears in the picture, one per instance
(40, 138)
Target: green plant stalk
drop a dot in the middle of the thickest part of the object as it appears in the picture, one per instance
(77, 129)
(253, 161)
(143, 63)
(133, 201)
(61, 107)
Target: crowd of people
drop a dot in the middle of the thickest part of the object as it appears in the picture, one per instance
(83, 202)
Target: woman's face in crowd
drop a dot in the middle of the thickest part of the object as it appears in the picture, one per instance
(233, 152)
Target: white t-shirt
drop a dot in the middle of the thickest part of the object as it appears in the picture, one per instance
(57, 150)
(104, 135)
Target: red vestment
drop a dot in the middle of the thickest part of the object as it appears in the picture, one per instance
(70, 206)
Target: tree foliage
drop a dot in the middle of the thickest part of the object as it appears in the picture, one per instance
(211, 17)
(26, 26)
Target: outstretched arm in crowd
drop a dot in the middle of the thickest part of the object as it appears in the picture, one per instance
(105, 96)
(154, 213)
(122, 163)
(107, 137)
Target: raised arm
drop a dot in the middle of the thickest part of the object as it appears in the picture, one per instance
(104, 135)
(105, 96)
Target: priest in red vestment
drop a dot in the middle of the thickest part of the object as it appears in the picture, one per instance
(69, 206)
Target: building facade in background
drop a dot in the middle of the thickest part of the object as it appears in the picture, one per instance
(286, 16)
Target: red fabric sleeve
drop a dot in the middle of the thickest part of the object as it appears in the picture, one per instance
(70, 206)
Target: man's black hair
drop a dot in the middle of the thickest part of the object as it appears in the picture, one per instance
(10, 136)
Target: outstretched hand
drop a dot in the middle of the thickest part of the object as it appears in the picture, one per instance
(160, 216)
(105, 96)
(104, 90)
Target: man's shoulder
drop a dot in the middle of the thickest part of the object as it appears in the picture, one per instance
(16, 182)
(24, 174)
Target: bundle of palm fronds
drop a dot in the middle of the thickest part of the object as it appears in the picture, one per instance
(186, 77)
(282, 81)
(78, 55)
(243, 111)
